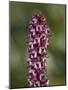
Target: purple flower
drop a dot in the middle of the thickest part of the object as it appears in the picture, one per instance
(38, 42)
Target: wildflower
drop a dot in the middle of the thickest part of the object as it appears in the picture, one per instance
(38, 42)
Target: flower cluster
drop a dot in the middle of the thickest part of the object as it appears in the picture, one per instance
(37, 51)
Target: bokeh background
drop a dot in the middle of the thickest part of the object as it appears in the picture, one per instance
(19, 15)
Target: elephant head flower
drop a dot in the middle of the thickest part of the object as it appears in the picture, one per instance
(38, 42)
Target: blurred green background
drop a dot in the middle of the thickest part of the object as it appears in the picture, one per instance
(19, 14)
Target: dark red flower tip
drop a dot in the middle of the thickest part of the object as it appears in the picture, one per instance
(40, 19)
